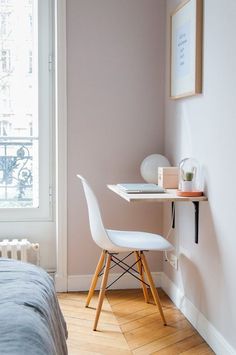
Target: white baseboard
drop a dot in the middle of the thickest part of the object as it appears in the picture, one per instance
(216, 341)
(82, 282)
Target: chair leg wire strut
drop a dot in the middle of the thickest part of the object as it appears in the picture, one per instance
(102, 269)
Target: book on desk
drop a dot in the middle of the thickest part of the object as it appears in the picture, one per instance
(140, 188)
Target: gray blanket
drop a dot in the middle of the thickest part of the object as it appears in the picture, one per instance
(31, 322)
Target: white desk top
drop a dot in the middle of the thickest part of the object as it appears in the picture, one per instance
(169, 196)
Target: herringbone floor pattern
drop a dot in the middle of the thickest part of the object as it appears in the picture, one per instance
(128, 325)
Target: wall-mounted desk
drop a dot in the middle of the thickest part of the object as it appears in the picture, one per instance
(168, 196)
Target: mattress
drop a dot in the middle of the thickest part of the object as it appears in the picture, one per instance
(31, 321)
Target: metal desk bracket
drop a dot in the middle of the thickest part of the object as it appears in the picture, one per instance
(196, 211)
(173, 214)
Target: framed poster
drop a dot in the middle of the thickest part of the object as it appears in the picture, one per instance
(186, 49)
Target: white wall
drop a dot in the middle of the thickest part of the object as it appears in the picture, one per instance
(204, 127)
(116, 53)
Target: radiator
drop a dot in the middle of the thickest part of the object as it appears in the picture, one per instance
(20, 250)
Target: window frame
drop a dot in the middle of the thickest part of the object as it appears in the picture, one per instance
(46, 136)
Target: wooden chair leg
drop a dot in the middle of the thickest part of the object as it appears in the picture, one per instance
(95, 278)
(140, 270)
(153, 288)
(102, 290)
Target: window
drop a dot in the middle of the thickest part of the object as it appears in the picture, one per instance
(26, 108)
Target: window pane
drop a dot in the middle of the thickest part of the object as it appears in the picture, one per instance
(18, 104)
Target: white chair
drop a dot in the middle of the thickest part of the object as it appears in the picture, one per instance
(113, 242)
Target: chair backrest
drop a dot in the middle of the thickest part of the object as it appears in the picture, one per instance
(97, 229)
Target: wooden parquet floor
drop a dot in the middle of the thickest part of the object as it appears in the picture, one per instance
(128, 325)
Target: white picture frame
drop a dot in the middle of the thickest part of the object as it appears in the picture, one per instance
(186, 49)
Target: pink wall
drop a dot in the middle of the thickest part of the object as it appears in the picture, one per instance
(116, 55)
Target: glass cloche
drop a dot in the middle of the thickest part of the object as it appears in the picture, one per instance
(189, 178)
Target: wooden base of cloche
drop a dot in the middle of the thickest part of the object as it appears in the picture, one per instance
(189, 193)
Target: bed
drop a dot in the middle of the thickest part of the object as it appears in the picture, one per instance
(31, 321)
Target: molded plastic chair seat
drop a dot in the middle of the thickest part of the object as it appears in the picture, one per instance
(133, 241)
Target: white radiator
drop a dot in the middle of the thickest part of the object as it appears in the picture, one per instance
(20, 250)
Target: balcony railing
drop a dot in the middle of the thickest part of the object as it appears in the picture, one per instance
(18, 171)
